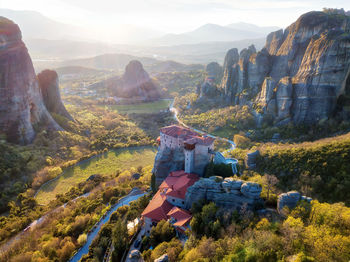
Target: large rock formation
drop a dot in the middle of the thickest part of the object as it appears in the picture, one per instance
(302, 75)
(208, 88)
(135, 83)
(228, 193)
(290, 200)
(22, 109)
(168, 160)
(48, 82)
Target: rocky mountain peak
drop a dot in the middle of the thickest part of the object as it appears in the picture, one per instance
(300, 76)
(22, 110)
(135, 69)
(48, 82)
(134, 83)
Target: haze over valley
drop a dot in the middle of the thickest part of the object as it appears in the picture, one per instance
(174, 131)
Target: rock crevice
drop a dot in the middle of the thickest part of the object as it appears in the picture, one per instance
(300, 73)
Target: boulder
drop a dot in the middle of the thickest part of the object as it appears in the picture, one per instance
(251, 159)
(290, 200)
(163, 258)
(251, 190)
(136, 176)
(135, 256)
(276, 137)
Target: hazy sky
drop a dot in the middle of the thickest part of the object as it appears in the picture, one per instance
(173, 15)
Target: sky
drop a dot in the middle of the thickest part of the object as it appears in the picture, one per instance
(173, 16)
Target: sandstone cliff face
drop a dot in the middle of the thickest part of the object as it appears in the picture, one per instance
(134, 83)
(48, 82)
(208, 89)
(168, 160)
(21, 105)
(301, 75)
(226, 193)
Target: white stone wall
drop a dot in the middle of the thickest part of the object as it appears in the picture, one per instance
(189, 161)
(169, 141)
(176, 201)
(201, 154)
(196, 160)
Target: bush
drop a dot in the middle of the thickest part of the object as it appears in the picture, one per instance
(55, 171)
(82, 239)
(242, 141)
(163, 231)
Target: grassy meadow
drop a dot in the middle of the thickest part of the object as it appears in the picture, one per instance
(142, 108)
(105, 164)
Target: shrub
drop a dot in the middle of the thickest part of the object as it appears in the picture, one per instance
(82, 239)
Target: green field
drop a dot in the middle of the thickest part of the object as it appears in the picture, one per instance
(105, 164)
(142, 108)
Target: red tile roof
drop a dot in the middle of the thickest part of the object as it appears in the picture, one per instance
(157, 208)
(186, 134)
(181, 216)
(176, 184)
(178, 131)
(200, 140)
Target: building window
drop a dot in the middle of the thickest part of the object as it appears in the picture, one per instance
(183, 202)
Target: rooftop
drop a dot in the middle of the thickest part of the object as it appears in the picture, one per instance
(176, 184)
(181, 216)
(186, 134)
(157, 208)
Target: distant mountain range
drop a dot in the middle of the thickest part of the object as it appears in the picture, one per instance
(34, 25)
(215, 33)
(47, 39)
(43, 51)
(115, 62)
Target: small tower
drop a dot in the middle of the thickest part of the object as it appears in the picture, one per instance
(189, 156)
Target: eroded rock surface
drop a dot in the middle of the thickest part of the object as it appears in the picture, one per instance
(168, 160)
(135, 83)
(208, 89)
(48, 82)
(22, 110)
(228, 193)
(302, 75)
(290, 200)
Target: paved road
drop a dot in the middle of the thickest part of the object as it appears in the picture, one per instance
(91, 236)
(175, 111)
(132, 247)
(6, 246)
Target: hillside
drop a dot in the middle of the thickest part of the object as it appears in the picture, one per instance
(320, 169)
(301, 76)
(213, 32)
(118, 62)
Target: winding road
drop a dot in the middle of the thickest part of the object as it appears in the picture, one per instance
(132, 196)
(4, 248)
(176, 113)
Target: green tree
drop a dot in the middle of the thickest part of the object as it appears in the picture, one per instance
(120, 239)
(162, 232)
